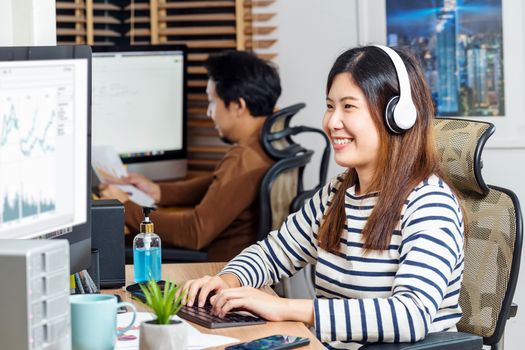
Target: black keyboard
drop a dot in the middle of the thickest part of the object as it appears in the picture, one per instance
(204, 317)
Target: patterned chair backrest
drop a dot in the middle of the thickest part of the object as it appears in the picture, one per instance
(282, 188)
(494, 229)
(285, 185)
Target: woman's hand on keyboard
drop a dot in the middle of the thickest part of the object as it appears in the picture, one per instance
(269, 307)
(203, 286)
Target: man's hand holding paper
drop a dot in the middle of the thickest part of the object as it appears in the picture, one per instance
(117, 183)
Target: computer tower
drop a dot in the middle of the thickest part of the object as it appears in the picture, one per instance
(34, 295)
(107, 236)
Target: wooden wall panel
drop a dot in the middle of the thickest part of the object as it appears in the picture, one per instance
(205, 26)
(71, 22)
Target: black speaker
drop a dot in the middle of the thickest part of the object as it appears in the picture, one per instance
(107, 235)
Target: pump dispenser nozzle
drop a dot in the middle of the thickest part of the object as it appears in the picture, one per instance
(146, 226)
(147, 210)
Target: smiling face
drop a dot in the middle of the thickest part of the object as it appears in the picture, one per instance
(350, 127)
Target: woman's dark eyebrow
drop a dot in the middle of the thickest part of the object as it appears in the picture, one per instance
(349, 98)
(343, 98)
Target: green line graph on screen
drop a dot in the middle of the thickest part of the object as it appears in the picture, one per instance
(42, 109)
(30, 126)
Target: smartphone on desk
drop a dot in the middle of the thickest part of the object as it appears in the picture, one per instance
(136, 286)
(273, 342)
(135, 290)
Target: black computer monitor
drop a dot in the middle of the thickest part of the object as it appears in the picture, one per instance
(139, 107)
(45, 146)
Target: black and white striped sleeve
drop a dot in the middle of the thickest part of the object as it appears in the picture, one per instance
(286, 250)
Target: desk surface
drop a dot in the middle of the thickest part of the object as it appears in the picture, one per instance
(182, 272)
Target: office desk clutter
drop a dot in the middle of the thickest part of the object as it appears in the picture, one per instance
(34, 293)
(94, 321)
(107, 237)
(82, 283)
(162, 328)
(147, 260)
(196, 339)
(162, 332)
(184, 272)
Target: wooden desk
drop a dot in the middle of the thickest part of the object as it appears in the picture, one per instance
(182, 272)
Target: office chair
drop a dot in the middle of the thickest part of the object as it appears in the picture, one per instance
(282, 190)
(492, 247)
(171, 254)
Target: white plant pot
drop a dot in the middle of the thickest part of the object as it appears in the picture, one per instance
(163, 336)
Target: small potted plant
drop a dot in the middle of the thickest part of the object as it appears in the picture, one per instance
(162, 332)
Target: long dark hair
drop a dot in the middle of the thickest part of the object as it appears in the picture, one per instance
(404, 159)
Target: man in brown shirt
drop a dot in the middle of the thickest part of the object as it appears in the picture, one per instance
(242, 90)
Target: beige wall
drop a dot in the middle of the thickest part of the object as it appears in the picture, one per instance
(27, 22)
(6, 23)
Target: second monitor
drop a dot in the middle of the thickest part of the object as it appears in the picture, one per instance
(139, 107)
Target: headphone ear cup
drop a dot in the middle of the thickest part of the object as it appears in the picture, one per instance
(389, 116)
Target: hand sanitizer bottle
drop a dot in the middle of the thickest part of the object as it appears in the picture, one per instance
(147, 260)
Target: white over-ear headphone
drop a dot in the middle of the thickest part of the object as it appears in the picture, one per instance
(400, 112)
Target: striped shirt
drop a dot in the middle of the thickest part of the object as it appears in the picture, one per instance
(395, 295)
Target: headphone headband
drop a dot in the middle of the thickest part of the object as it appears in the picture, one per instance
(401, 113)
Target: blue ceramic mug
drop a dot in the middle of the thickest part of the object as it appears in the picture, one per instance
(94, 321)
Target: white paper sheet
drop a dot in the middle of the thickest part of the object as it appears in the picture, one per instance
(137, 195)
(107, 164)
(109, 169)
(196, 339)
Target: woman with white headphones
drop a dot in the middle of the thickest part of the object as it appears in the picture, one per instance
(385, 237)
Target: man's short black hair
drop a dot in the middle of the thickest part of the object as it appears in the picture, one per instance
(239, 74)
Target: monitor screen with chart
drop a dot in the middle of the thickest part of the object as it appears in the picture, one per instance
(139, 107)
(44, 146)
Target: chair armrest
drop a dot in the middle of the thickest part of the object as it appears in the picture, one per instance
(435, 341)
(172, 254)
(513, 310)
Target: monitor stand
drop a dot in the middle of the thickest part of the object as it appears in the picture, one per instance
(160, 170)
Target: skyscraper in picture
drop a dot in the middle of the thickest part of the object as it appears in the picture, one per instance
(460, 46)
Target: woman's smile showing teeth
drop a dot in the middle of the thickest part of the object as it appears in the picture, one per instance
(340, 143)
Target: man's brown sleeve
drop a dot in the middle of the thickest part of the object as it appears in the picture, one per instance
(186, 192)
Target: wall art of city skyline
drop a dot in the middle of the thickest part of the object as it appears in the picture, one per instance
(459, 44)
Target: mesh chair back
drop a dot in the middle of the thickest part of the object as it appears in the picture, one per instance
(489, 253)
(285, 184)
(284, 190)
(493, 235)
(460, 143)
(282, 186)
